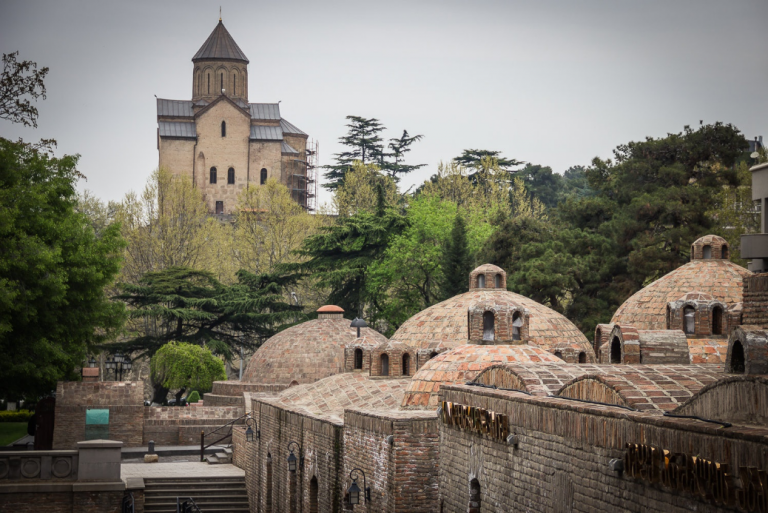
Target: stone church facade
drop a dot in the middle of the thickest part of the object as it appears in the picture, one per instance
(224, 143)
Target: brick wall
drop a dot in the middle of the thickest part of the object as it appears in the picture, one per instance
(755, 311)
(182, 426)
(62, 502)
(124, 400)
(561, 461)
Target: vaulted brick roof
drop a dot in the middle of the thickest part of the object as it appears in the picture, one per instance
(305, 353)
(463, 364)
(330, 396)
(647, 309)
(708, 350)
(444, 325)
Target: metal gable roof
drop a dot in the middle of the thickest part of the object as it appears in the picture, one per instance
(288, 149)
(177, 129)
(174, 108)
(269, 111)
(266, 133)
(289, 128)
(220, 46)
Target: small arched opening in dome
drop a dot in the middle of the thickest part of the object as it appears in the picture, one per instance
(384, 362)
(313, 489)
(406, 364)
(497, 281)
(737, 358)
(432, 354)
(489, 328)
(559, 355)
(480, 281)
(474, 497)
(706, 252)
(223, 128)
(717, 320)
(293, 383)
(724, 252)
(616, 350)
(268, 501)
(582, 357)
(358, 358)
(689, 320)
(517, 326)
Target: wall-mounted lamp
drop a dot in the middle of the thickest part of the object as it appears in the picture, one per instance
(92, 362)
(513, 439)
(616, 465)
(292, 459)
(250, 432)
(354, 490)
(358, 323)
(391, 439)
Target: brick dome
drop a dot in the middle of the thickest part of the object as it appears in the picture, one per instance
(445, 325)
(462, 364)
(717, 278)
(307, 352)
(709, 246)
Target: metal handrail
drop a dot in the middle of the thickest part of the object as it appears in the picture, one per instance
(185, 507)
(203, 447)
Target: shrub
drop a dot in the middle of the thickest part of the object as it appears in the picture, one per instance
(15, 416)
(193, 397)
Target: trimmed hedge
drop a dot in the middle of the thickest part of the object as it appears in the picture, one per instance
(15, 416)
(193, 397)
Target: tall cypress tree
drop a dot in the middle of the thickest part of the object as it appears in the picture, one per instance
(456, 262)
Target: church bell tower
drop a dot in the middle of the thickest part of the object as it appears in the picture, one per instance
(220, 67)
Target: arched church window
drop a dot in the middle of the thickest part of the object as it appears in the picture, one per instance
(231, 175)
(234, 85)
(489, 331)
(213, 175)
(689, 320)
(222, 83)
(263, 176)
(481, 281)
(223, 128)
(209, 83)
(517, 326)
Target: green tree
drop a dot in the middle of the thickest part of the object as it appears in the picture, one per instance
(456, 261)
(364, 144)
(181, 365)
(20, 82)
(476, 160)
(187, 305)
(397, 150)
(53, 271)
(361, 188)
(542, 184)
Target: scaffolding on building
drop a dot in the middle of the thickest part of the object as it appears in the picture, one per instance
(302, 178)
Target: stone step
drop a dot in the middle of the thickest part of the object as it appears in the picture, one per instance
(167, 492)
(212, 494)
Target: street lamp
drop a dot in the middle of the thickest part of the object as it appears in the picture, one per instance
(92, 362)
(292, 459)
(118, 363)
(358, 323)
(354, 490)
(250, 421)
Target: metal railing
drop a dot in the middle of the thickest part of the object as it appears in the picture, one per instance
(229, 425)
(188, 506)
(128, 503)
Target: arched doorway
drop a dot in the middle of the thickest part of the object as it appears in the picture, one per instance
(474, 497)
(616, 350)
(737, 358)
(313, 507)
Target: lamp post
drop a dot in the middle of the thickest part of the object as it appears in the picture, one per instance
(118, 363)
(92, 362)
(251, 423)
(292, 459)
(354, 490)
(358, 323)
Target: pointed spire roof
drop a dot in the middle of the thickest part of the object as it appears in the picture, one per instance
(220, 46)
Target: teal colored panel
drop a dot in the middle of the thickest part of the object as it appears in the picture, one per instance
(96, 417)
(97, 432)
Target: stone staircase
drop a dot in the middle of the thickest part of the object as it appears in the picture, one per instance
(211, 494)
(223, 456)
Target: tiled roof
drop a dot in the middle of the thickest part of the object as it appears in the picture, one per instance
(174, 108)
(444, 325)
(462, 364)
(269, 111)
(305, 353)
(708, 350)
(647, 309)
(290, 128)
(330, 396)
(220, 46)
(177, 129)
(266, 133)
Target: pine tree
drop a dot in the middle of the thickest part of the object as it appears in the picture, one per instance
(365, 145)
(456, 261)
(398, 149)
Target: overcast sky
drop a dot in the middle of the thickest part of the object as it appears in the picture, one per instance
(549, 82)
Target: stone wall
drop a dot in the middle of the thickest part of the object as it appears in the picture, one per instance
(123, 399)
(561, 460)
(755, 311)
(182, 426)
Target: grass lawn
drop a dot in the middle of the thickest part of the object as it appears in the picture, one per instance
(11, 431)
